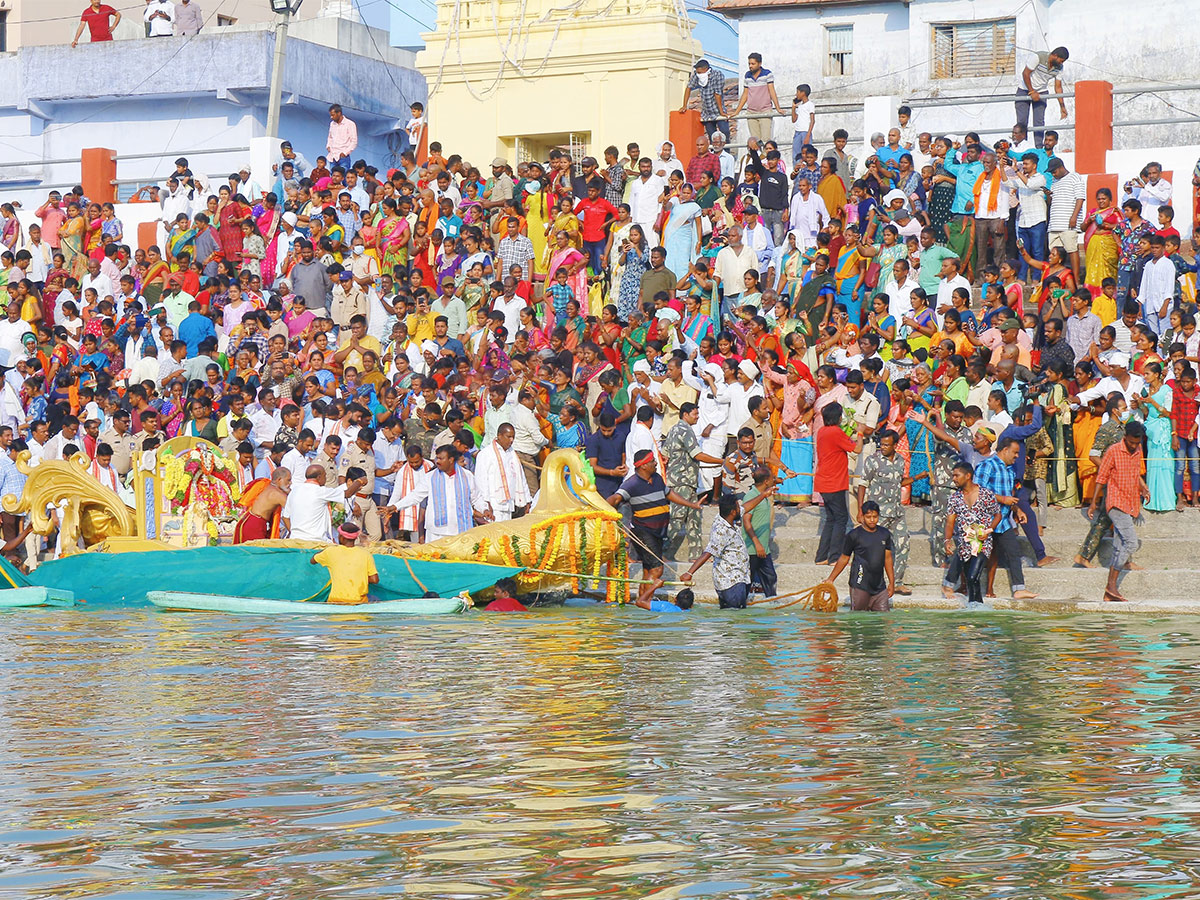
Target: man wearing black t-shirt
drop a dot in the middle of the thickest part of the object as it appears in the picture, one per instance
(773, 193)
(868, 551)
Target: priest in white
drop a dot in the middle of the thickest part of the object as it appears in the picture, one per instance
(500, 478)
(306, 513)
(454, 502)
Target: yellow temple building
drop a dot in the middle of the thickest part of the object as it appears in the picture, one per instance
(516, 78)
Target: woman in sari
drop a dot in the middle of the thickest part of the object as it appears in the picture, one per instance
(538, 211)
(173, 409)
(883, 255)
(422, 251)
(1087, 422)
(233, 211)
(618, 231)
(795, 449)
(791, 268)
(575, 325)
(1160, 458)
(155, 281)
(909, 181)
(561, 393)
(831, 189)
(606, 334)
(896, 418)
(587, 373)
(1145, 350)
(182, 237)
(536, 334)
(392, 239)
(696, 324)
(1062, 483)
(93, 242)
(564, 220)
(828, 391)
(565, 255)
(941, 198)
(920, 439)
(682, 233)
(1057, 265)
(730, 205)
(450, 263)
(267, 223)
(1100, 244)
(851, 267)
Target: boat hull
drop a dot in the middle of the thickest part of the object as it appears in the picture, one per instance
(185, 602)
(21, 597)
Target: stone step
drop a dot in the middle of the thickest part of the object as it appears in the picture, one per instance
(926, 601)
(1060, 581)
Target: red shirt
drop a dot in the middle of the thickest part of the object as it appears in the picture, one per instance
(505, 604)
(594, 214)
(98, 22)
(1121, 471)
(833, 448)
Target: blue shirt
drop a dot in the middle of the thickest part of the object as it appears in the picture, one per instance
(193, 329)
(11, 480)
(965, 174)
(998, 478)
(663, 606)
(1022, 433)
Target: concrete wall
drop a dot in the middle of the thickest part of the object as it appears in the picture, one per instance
(892, 50)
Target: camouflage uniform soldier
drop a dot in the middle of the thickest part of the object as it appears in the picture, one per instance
(881, 480)
(684, 456)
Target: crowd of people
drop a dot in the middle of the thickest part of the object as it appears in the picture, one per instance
(944, 322)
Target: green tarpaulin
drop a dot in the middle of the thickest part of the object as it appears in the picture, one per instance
(275, 573)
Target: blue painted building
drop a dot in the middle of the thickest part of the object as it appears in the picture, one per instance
(204, 97)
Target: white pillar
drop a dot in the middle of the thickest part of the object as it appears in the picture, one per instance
(879, 114)
(262, 151)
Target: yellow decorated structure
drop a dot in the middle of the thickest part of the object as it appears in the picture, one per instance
(570, 535)
(515, 78)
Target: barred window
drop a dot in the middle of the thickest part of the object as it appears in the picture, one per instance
(839, 40)
(974, 49)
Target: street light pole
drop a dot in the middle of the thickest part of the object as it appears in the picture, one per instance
(284, 10)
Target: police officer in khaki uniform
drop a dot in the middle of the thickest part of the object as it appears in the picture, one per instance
(360, 453)
(327, 459)
(121, 439)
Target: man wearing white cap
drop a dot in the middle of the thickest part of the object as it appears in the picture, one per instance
(741, 391)
(712, 427)
(644, 391)
(251, 188)
(1120, 380)
(807, 213)
(288, 235)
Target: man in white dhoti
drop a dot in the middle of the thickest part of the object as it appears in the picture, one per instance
(454, 503)
(500, 477)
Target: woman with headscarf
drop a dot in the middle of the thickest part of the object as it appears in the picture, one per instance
(830, 187)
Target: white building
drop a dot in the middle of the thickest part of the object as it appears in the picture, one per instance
(925, 49)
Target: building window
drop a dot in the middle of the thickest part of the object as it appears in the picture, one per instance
(3, 30)
(975, 49)
(839, 42)
(225, 20)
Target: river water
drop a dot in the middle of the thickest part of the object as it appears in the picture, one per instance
(599, 754)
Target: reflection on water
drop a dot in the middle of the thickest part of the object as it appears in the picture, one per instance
(585, 754)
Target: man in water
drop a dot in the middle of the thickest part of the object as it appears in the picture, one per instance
(1121, 476)
(872, 576)
(258, 521)
(727, 549)
(351, 568)
(506, 597)
(682, 603)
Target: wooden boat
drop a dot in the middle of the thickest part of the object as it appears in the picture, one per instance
(19, 597)
(181, 601)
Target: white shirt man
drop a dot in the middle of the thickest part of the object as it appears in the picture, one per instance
(101, 282)
(900, 300)
(712, 429)
(645, 202)
(642, 438)
(1109, 384)
(307, 509)
(731, 267)
(807, 215)
(160, 16)
(500, 478)
(441, 515)
(43, 258)
(1152, 194)
(1156, 290)
(528, 437)
(263, 427)
(945, 294)
(740, 393)
(296, 463)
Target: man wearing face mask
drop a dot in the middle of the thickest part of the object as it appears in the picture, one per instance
(710, 85)
(309, 278)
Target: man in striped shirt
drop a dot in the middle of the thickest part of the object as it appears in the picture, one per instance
(650, 499)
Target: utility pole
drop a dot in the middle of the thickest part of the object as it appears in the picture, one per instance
(284, 10)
